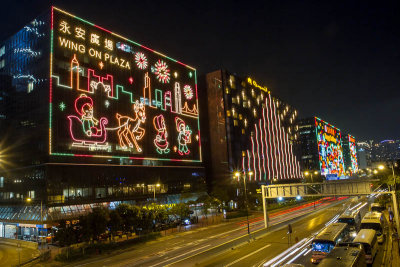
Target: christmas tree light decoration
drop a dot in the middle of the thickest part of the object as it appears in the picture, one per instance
(188, 92)
(270, 154)
(62, 106)
(141, 60)
(162, 72)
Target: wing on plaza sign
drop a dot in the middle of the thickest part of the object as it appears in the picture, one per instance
(329, 148)
(112, 97)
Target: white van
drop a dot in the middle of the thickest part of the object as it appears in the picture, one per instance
(369, 240)
(374, 221)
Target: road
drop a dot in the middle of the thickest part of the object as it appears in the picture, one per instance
(268, 244)
(9, 255)
(193, 246)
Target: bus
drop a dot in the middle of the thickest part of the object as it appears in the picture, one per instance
(374, 221)
(369, 240)
(353, 220)
(377, 207)
(327, 239)
(345, 256)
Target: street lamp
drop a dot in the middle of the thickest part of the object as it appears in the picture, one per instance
(381, 167)
(237, 175)
(29, 200)
(157, 185)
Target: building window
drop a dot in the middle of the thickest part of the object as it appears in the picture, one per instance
(2, 63)
(235, 123)
(2, 50)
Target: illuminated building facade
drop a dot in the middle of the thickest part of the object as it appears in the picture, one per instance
(320, 145)
(98, 119)
(249, 130)
(350, 154)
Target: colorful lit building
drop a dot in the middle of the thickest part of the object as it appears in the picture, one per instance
(250, 130)
(92, 118)
(320, 145)
(350, 154)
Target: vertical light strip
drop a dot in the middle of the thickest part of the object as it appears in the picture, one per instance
(284, 162)
(258, 151)
(277, 139)
(266, 143)
(254, 159)
(243, 168)
(271, 138)
(262, 148)
(50, 79)
(248, 160)
(287, 157)
(198, 112)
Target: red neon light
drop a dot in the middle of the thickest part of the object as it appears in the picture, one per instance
(277, 139)
(262, 148)
(101, 28)
(258, 150)
(266, 145)
(269, 140)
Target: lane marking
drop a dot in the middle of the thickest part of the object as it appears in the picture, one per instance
(279, 228)
(180, 255)
(248, 255)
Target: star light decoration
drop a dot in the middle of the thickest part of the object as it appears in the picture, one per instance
(141, 60)
(62, 106)
(188, 92)
(161, 71)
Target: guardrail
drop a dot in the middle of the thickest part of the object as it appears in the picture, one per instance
(16, 242)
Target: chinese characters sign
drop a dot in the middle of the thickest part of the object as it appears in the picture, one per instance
(329, 148)
(111, 97)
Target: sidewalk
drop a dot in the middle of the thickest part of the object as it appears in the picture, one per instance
(393, 252)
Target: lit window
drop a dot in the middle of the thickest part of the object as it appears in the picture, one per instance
(30, 87)
(2, 50)
(240, 117)
(2, 63)
(227, 90)
(228, 113)
(235, 123)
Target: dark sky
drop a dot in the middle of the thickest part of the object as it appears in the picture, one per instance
(337, 60)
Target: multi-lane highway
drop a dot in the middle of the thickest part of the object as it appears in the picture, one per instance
(198, 246)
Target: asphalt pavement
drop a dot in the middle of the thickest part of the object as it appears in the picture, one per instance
(12, 256)
(191, 247)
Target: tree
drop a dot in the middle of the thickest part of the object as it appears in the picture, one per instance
(115, 222)
(95, 223)
(66, 234)
(129, 215)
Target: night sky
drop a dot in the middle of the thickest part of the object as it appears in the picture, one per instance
(338, 60)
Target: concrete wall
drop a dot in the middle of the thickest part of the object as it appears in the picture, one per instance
(15, 242)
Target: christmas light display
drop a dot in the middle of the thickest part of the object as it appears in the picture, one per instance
(188, 91)
(106, 109)
(141, 60)
(161, 71)
(329, 148)
(353, 154)
(271, 153)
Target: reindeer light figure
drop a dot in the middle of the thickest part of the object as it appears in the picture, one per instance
(129, 128)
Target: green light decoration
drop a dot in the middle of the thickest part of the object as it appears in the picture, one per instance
(190, 74)
(62, 106)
